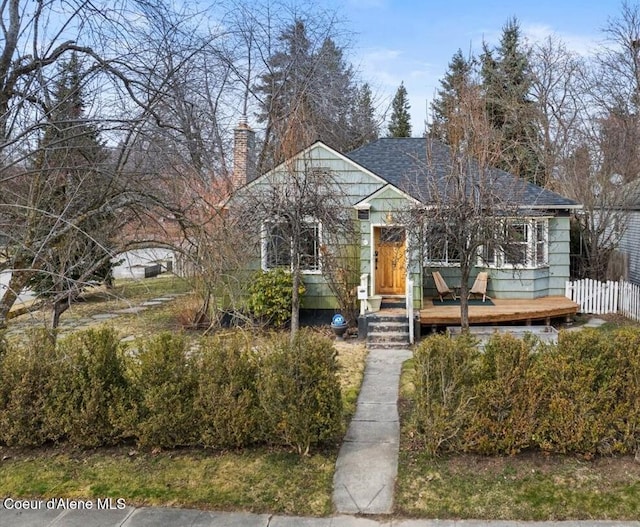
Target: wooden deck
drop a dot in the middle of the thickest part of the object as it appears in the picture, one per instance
(502, 312)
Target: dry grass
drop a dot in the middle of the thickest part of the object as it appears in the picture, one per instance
(258, 480)
(525, 487)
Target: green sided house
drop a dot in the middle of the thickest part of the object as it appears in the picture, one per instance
(376, 185)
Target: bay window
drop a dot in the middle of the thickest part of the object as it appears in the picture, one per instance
(439, 251)
(525, 244)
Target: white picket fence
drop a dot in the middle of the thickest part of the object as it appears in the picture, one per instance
(600, 298)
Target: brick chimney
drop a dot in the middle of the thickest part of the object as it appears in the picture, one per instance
(244, 163)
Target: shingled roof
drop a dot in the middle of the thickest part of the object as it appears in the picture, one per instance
(409, 163)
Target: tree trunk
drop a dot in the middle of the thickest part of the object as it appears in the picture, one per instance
(59, 307)
(18, 281)
(464, 294)
(295, 303)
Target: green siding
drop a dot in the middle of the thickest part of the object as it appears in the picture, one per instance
(559, 247)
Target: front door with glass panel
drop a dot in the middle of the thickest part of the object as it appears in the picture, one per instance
(390, 260)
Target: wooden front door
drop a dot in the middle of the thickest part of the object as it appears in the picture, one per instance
(390, 260)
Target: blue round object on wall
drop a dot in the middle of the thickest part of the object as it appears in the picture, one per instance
(338, 320)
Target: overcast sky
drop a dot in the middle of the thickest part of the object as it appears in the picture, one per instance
(414, 40)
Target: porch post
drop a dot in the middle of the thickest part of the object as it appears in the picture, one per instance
(363, 294)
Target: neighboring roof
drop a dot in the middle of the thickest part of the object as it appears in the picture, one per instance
(404, 163)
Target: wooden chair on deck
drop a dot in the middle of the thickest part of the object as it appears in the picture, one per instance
(480, 286)
(442, 287)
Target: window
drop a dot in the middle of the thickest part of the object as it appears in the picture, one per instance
(439, 250)
(526, 245)
(515, 249)
(392, 235)
(540, 256)
(277, 249)
(363, 214)
(310, 247)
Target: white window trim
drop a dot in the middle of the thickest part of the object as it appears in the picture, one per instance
(264, 245)
(441, 263)
(531, 248)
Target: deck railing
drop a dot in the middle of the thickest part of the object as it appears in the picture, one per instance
(600, 298)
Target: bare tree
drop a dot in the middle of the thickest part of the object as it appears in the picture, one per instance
(589, 117)
(558, 88)
(122, 104)
(468, 209)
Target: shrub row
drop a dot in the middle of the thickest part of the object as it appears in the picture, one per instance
(228, 392)
(579, 396)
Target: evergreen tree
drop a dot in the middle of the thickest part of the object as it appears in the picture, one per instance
(315, 88)
(334, 96)
(284, 87)
(70, 176)
(400, 124)
(363, 119)
(453, 87)
(506, 80)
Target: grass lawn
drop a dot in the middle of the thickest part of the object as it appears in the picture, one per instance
(126, 294)
(258, 480)
(524, 487)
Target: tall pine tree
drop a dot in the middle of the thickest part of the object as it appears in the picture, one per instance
(506, 80)
(69, 178)
(284, 88)
(313, 86)
(400, 123)
(364, 126)
(458, 80)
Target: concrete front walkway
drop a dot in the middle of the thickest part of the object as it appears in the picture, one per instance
(367, 464)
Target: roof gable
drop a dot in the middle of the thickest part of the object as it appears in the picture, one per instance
(311, 153)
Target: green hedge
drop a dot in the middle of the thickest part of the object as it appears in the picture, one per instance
(28, 391)
(166, 382)
(579, 396)
(298, 390)
(227, 391)
(93, 395)
(227, 399)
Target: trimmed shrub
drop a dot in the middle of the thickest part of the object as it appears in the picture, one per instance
(270, 296)
(299, 391)
(93, 397)
(506, 397)
(581, 393)
(444, 378)
(626, 417)
(581, 396)
(27, 380)
(227, 399)
(166, 383)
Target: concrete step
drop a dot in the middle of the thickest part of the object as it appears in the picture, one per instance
(380, 327)
(387, 346)
(389, 336)
(387, 317)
